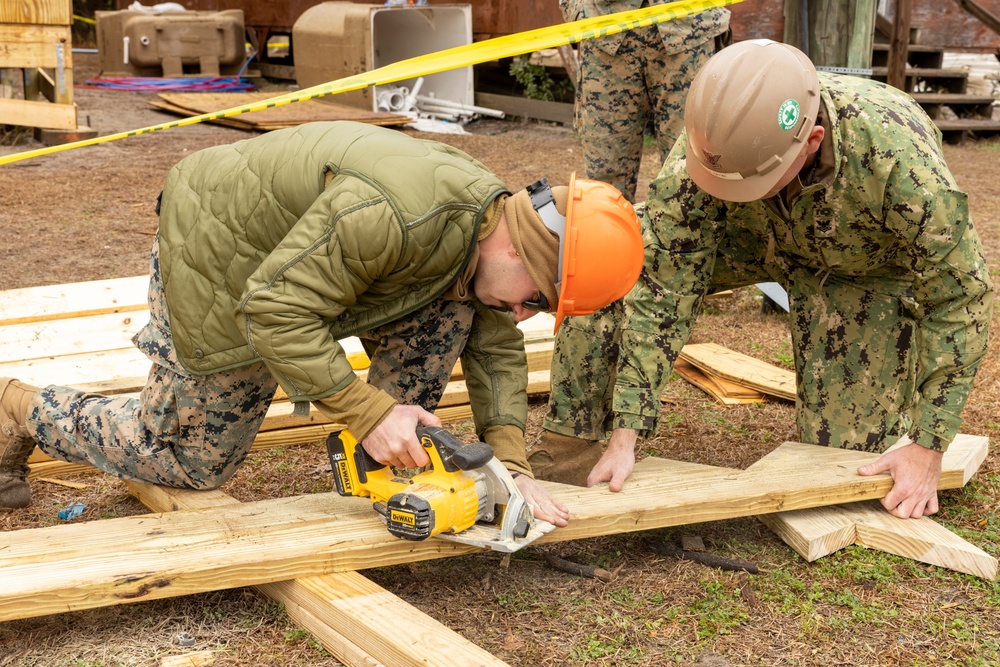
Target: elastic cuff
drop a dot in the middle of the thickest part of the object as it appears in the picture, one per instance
(508, 446)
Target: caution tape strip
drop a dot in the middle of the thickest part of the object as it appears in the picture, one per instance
(459, 56)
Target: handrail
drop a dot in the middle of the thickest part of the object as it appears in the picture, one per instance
(985, 16)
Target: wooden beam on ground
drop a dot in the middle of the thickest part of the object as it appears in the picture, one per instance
(820, 531)
(357, 620)
(115, 561)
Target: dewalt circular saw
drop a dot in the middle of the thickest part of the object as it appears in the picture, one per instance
(466, 494)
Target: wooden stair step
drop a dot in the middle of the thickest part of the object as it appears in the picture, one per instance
(925, 72)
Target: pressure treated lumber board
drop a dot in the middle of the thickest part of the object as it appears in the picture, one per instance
(114, 561)
(723, 391)
(728, 364)
(56, 302)
(355, 618)
(820, 531)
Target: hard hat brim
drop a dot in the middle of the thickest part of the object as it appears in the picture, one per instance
(746, 189)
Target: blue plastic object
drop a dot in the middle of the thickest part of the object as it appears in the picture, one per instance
(72, 511)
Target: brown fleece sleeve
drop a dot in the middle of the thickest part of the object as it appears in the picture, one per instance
(359, 405)
(509, 446)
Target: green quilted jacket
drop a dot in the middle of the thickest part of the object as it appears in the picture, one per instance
(275, 247)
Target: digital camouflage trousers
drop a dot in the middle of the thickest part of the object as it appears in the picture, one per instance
(194, 431)
(618, 95)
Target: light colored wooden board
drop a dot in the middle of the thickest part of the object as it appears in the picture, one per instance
(722, 362)
(820, 531)
(114, 561)
(29, 113)
(54, 12)
(56, 338)
(58, 302)
(723, 391)
(345, 610)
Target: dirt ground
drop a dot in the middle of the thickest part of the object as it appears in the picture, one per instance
(87, 214)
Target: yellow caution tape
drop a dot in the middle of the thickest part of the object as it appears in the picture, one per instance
(440, 61)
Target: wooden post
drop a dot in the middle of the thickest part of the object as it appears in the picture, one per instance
(833, 33)
(899, 44)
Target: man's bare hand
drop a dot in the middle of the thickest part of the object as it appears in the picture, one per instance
(915, 471)
(545, 507)
(617, 462)
(394, 441)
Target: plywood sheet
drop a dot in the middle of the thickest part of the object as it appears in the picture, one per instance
(274, 118)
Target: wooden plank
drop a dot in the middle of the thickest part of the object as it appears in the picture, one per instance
(820, 531)
(30, 46)
(288, 115)
(38, 114)
(58, 12)
(115, 561)
(730, 365)
(39, 340)
(59, 302)
(723, 391)
(345, 610)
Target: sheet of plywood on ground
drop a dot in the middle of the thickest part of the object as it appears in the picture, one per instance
(273, 118)
(718, 361)
(723, 391)
(820, 531)
(114, 561)
(355, 618)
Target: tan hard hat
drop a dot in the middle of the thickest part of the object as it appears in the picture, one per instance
(749, 112)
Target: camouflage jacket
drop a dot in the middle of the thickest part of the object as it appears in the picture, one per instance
(680, 34)
(887, 214)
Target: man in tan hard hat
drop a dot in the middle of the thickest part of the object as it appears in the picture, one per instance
(835, 187)
(272, 249)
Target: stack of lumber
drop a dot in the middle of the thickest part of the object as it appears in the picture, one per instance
(80, 335)
(731, 377)
(272, 117)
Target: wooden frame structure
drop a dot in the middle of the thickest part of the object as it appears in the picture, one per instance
(35, 39)
(306, 551)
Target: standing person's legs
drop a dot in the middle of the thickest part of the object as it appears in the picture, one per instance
(612, 110)
(183, 430)
(669, 78)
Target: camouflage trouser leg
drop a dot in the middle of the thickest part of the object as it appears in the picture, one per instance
(617, 95)
(183, 430)
(584, 359)
(412, 358)
(855, 372)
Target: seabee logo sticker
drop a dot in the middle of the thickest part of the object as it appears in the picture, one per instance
(788, 115)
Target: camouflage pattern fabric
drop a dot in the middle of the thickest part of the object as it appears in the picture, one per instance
(412, 358)
(889, 290)
(626, 80)
(194, 431)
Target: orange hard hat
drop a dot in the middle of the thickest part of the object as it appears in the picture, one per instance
(601, 249)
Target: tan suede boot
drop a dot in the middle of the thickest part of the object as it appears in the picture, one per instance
(563, 458)
(15, 445)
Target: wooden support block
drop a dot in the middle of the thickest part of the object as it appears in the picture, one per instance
(37, 114)
(114, 561)
(346, 611)
(26, 46)
(820, 531)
